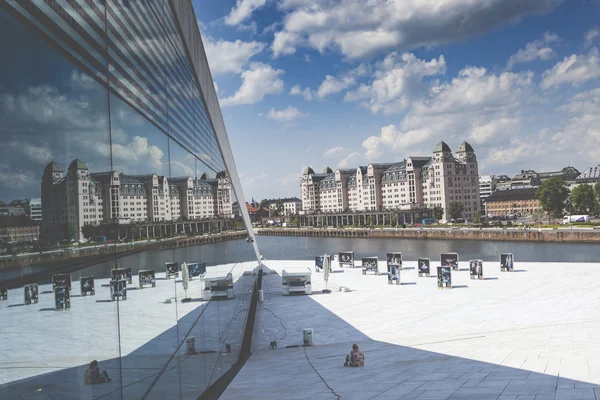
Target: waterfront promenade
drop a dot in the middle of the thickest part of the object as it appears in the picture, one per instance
(530, 335)
(562, 235)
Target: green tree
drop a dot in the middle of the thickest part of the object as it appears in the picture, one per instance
(456, 209)
(295, 221)
(71, 233)
(583, 198)
(279, 207)
(552, 194)
(264, 203)
(369, 220)
(87, 231)
(394, 220)
(597, 193)
(438, 212)
(477, 217)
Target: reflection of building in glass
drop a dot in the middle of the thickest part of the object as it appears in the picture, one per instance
(81, 198)
(415, 182)
(35, 209)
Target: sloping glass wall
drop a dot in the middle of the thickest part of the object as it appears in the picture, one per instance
(136, 281)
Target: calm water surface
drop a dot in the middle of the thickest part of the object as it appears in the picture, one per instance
(306, 248)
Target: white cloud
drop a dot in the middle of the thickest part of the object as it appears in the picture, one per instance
(285, 43)
(516, 150)
(574, 69)
(476, 88)
(334, 151)
(289, 179)
(397, 82)
(135, 154)
(538, 49)
(591, 36)
(483, 131)
(394, 139)
(349, 161)
(585, 103)
(82, 81)
(333, 85)
(298, 91)
(258, 81)
(242, 10)
(180, 169)
(287, 114)
(476, 105)
(248, 180)
(226, 57)
(359, 28)
(33, 151)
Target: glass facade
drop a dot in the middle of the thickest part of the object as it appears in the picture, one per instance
(103, 121)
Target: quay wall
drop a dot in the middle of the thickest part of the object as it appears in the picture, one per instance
(518, 235)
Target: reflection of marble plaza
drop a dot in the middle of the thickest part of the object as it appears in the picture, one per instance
(80, 198)
(39, 355)
(529, 334)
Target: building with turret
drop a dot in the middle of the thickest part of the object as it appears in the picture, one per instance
(439, 180)
(447, 179)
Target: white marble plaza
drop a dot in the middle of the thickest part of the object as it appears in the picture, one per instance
(44, 353)
(533, 334)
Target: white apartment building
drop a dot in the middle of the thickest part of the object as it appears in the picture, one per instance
(414, 182)
(448, 179)
(35, 209)
(487, 185)
(291, 205)
(79, 198)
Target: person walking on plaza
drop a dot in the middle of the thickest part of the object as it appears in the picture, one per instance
(356, 358)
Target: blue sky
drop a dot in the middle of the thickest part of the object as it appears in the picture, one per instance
(344, 83)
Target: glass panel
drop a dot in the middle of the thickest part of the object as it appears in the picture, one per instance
(131, 181)
(54, 129)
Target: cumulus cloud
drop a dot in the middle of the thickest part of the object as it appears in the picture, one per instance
(591, 36)
(574, 70)
(333, 85)
(136, 151)
(334, 151)
(350, 160)
(483, 131)
(475, 105)
(538, 49)
(259, 80)
(476, 88)
(359, 28)
(397, 82)
(285, 115)
(516, 149)
(298, 91)
(242, 10)
(227, 57)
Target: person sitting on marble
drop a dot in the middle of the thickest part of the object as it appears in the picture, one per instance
(93, 376)
(356, 358)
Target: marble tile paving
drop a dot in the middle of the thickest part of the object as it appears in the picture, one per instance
(530, 334)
